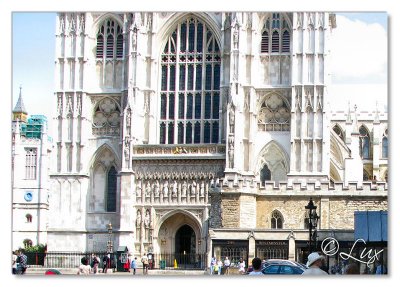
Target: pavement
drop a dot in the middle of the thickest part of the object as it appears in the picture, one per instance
(139, 272)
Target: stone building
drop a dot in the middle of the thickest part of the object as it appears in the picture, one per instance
(206, 133)
(31, 149)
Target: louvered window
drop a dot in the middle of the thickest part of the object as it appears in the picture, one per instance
(110, 41)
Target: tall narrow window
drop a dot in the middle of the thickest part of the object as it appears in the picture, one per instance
(190, 80)
(276, 220)
(275, 35)
(365, 143)
(110, 41)
(385, 147)
(112, 190)
(30, 163)
(28, 218)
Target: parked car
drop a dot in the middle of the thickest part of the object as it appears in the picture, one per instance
(282, 267)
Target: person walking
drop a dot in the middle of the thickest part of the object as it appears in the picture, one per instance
(227, 264)
(22, 260)
(219, 263)
(134, 265)
(145, 262)
(106, 262)
(14, 262)
(212, 265)
(95, 263)
(242, 266)
(314, 264)
(256, 264)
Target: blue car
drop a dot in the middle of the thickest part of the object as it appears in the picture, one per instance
(282, 267)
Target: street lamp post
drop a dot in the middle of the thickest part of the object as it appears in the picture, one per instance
(109, 243)
(312, 224)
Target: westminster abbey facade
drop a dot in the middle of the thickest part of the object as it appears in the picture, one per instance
(206, 133)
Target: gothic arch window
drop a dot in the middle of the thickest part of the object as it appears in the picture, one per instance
(365, 143)
(276, 220)
(339, 132)
(275, 35)
(190, 83)
(274, 114)
(109, 40)
(385, 145)
(111, 190)
(106, 117)
(265, 174)
(28, 218)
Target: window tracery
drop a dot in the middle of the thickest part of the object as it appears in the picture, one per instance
(365, 143)
(106, 118)
(190, 80)
(275, 36)
(276, 220)
(109, 41)
(274, 114)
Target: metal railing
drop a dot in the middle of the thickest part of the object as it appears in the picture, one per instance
(182, 261)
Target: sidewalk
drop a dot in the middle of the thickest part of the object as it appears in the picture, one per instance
(139, 272)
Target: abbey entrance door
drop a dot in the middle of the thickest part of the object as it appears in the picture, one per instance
(185, 245)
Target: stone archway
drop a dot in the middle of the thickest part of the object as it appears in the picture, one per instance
(179, 232)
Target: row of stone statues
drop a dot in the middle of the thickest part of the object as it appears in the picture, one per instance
(173, 188)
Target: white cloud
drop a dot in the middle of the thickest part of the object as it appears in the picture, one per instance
(358, 52)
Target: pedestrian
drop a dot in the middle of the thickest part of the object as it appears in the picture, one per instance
(242, 266)
(127, 264)
(95, 263)
(314, 264)
(84, 268)
(145, 262)
(256, 264)
(21, 262)
(380, 269)
(14, 262)
(106, 263)
(133, 265)
(352, 268)
(219, 264)
(212, 265)
(227, 264)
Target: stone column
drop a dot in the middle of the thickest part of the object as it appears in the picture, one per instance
(252, 248)
(292, 246)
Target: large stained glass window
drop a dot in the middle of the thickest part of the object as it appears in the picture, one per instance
(190, 80)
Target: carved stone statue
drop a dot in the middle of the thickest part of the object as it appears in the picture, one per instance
(165, 189)
(202, 187)
(193, 188)
(231, 119)
(174, 188)
(184, 189)
(157, 189)
(148, 189)
(138, 219)
(147, 219)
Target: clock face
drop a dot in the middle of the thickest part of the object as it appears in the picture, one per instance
(28, 196)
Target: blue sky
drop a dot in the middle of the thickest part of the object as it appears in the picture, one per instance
(37, 48)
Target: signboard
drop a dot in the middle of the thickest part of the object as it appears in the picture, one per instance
(124, 257)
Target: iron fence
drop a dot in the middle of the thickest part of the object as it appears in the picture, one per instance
(183, 261)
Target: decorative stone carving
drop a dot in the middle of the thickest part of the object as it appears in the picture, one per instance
(231, 119)
(147, 219)
(138, 218)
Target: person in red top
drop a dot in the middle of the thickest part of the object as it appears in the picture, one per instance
(127, 264)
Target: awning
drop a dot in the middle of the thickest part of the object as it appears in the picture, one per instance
(370, 225)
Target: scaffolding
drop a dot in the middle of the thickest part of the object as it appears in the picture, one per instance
(34, 126)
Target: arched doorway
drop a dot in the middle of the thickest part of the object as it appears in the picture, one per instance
(185, 246)
(185, 240)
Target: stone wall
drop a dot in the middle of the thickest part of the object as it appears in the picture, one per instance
(293, 211)
(342, 210)
(230, 208)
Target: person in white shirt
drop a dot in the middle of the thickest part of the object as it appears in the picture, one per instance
(242, 266)
(256, 263)
(84, 268)
(314, 264)
(219, 263)
(227, 264)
